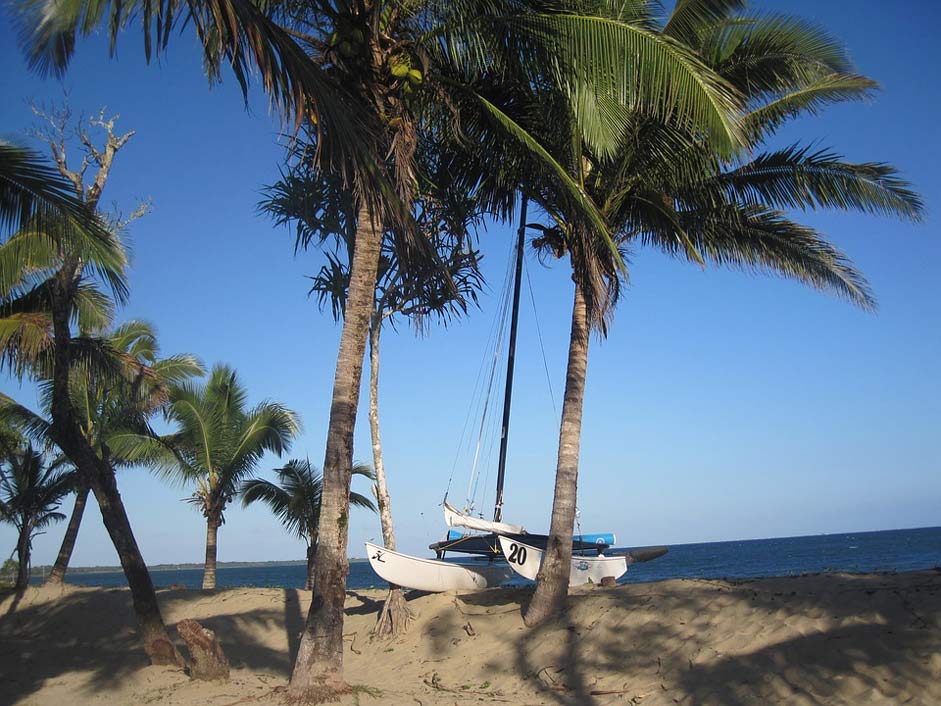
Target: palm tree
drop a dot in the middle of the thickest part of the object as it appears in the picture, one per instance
(218, 443)
(110, 407)
(31, 490)
(295, 499)
(50, 276)
(447, 216)
(107, 406)
(703, 208)
(371, 75)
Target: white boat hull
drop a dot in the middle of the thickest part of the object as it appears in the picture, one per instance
(526, 560)
(431, 574)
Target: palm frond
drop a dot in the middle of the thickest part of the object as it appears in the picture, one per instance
(642, 70)
(808, 98)
(690, 18)
(24, 419)
(763, 240)
(35, 195)
(796, 177)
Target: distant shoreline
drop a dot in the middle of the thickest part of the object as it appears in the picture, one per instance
(738, 546)
(44, 570)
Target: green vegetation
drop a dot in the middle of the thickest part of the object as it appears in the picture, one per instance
(296, 502)
(218, 443)
(32, 486)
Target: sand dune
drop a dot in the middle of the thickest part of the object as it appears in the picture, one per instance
(830, 639)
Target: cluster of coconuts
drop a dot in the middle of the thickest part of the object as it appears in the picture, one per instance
(400, 66)
(348, 40)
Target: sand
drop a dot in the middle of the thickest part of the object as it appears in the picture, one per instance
(826, 639)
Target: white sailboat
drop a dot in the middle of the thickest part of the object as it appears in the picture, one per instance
(432, 574)
(526, 559)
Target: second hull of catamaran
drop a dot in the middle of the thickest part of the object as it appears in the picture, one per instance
(526, 559)
(433, 575)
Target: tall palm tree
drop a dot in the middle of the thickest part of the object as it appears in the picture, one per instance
(218, 443)
(295, 499)
(371, 75)
(50, 277)
(32, 487)
(447, 216)
(700, 207)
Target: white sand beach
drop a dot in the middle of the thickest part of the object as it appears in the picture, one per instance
(822, 639)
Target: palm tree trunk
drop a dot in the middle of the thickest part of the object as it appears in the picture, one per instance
(552, 582)
(209, 568)
(98, 474)
(22, 555)
(57, 576)
(157, 644)
(395, 615)
(382, 490)
(318, 671)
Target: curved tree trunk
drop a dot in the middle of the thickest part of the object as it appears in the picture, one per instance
(318, 671)
(552, 581)
(57, 576)
(98, 474)
(394, 616)
(22, 555)
(209, 568)
(153, 633)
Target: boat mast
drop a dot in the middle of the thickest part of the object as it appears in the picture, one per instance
(511, 355)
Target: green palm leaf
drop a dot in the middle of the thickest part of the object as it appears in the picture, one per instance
(796, 177)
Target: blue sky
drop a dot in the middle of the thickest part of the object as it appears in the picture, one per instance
(722, 405)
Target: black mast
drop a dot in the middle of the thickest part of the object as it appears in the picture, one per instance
(501, 469)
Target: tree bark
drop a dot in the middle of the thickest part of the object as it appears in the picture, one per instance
(394, 616)
(57, 576)
(382, 489)
(318, 671)
(98, 474)
(209, 568)
(157, 643)
(552, 582)
(207, 658)
(22, 555)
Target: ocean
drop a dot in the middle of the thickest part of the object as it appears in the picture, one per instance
(857, 552)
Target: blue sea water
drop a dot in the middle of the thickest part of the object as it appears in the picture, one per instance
(891, 550)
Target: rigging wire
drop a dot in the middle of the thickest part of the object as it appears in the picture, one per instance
(477, 396)
(473, 482)
(542, 348)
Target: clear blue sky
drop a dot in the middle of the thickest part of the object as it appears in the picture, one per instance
(722, 405)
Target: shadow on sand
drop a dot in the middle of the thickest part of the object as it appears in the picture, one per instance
(109, 650)
(862, 642)
(852, 639)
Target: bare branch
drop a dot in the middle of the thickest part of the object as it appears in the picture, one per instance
(58, 120)
(105, 158)
(142, 209)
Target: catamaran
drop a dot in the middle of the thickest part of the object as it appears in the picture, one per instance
(499, 550)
